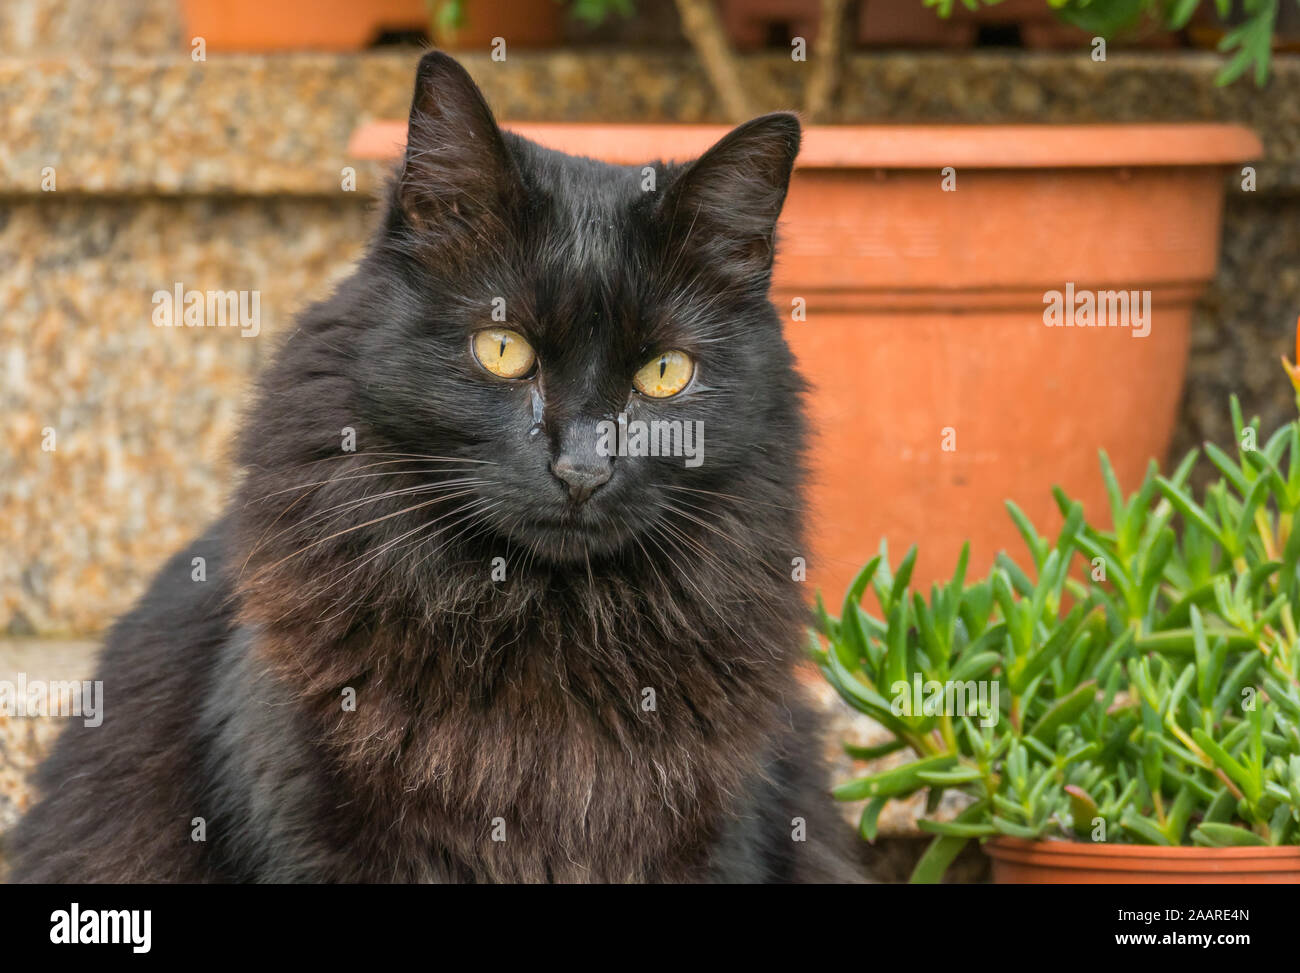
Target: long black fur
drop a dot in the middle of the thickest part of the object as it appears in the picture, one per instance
(502, 727)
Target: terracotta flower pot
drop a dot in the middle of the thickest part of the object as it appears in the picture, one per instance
(939, 390)
(347, 25)
(316, 25)
(1016, 861)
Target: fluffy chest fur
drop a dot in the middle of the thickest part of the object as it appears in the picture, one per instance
(582, 731)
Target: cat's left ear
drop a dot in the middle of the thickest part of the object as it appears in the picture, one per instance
(457, 174)
(726, 203)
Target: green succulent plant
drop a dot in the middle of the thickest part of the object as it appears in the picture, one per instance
(1140, 682)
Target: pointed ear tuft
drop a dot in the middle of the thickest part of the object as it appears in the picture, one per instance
(725, 204)
(457, 174)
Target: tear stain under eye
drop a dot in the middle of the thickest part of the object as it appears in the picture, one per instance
(537, 412)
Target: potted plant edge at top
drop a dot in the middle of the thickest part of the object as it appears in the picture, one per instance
(1124, 708)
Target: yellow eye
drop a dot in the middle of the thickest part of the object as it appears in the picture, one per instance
(664, 375)
(504, 353)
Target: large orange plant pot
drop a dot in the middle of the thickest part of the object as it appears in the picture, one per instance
(938, 390)
(1016, 861)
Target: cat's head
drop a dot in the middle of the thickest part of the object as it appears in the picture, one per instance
(527, 324)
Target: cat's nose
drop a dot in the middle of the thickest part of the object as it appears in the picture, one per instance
(583, 476)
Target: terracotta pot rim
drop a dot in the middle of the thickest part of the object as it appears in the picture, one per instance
(1044, 852)
(971, 146)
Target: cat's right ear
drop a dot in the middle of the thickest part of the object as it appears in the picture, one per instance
(457, 176)
(726, 203)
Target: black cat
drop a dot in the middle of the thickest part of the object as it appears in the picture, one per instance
(457, 626)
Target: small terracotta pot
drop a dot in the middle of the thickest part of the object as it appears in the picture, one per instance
(290, 25)
(523, 23)
(925, 309)
(1016, 861)
(348, 25)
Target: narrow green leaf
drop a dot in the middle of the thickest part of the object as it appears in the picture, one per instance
(1065, 710)
(1230, 766)
(950, 778)
(868, 823)
(904, 576)
(873, 753)
(1113, 492)
(1188, 507)
(1143, 827)
(1010, 828)
(892, 783)
(956, 829)
(1217, 835)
